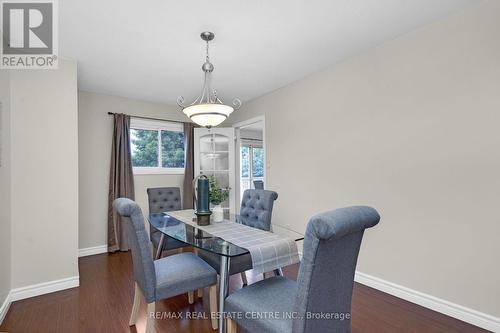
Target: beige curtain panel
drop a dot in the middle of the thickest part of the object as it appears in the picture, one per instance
(121, 181)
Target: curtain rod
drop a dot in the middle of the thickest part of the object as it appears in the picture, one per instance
(150, 118)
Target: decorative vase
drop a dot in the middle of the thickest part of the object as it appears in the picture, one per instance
(218, 213)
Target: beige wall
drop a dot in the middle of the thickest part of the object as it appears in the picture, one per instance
(411, 128)
(95, 133)
(44, 174)
(5, 218)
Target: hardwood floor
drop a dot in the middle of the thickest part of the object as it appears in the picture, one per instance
(103, 303)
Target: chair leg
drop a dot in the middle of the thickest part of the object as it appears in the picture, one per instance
(150, 319)
(191, 297)
(213, 306)
(244, 278)
(200, 291)
(231, 326)
(136, 306)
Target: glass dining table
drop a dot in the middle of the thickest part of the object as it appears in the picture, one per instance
(175, 228)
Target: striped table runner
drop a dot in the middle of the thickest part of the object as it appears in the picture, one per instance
(269, 251)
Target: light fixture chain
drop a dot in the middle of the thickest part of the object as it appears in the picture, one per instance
(208, 58)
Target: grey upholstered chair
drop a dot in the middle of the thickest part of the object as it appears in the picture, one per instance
(164, 199)
(324, 284)
(256, 211)
(258, 184)
(163, 278)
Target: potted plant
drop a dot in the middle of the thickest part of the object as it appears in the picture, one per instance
(217, 195)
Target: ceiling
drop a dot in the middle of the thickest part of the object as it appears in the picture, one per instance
(151, 50)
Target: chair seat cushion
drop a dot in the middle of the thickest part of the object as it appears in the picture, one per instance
(181, 273)
(236, 264)
(275, 295)
(169, 244)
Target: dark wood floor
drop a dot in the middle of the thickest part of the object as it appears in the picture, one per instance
(103, 302)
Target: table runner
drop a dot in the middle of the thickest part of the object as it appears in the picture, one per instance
(269, 251)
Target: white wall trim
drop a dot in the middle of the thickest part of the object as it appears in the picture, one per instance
(5, 307)
(44, 288)
(460, 312)
(90, 251)
(18, 294)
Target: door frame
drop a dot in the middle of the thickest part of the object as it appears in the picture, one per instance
(237, 147)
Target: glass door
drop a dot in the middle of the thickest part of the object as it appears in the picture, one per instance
(252, 165)
(214, 156)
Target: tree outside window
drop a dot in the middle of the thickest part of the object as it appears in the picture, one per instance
(157, 147)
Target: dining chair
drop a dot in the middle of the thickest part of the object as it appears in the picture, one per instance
(163, 278)
(258, 184)
(256, 211)
(320, 300)
(164, 199)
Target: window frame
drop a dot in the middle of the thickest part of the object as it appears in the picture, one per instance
(157, 125)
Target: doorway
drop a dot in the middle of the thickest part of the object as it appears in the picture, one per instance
(250, 156)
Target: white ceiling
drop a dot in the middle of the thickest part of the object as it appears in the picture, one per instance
(151, 50)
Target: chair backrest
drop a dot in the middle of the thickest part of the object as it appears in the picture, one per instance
(142, 258)
(258, 184)
(257, 208)
(326, 274)
(163, 199)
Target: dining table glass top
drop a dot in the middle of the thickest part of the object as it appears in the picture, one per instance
(201, 239)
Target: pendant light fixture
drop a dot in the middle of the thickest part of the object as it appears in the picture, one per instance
(208, 110)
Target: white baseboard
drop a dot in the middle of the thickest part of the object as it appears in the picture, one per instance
(5, 307)
(90, 251)
(44, 288)
(460, 312)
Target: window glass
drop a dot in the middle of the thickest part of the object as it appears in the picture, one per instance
(172, 149)
(144, 147)
(157, 146)
(257, 162)
(244, 162)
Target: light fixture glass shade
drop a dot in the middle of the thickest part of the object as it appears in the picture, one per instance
(208, 115)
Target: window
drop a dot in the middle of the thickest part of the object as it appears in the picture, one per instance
(157, 147)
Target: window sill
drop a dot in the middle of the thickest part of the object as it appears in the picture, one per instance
(158, 171)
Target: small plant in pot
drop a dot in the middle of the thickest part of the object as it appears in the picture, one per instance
(217, 195)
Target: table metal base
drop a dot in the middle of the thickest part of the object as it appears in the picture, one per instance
(223, 290)
(159, 250)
